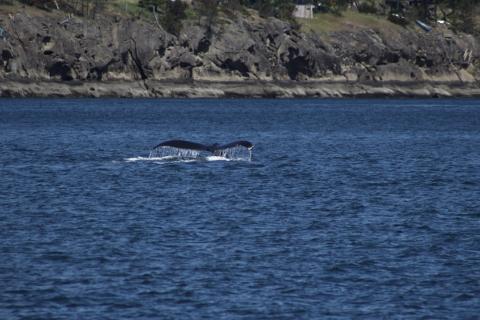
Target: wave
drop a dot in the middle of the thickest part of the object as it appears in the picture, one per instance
(179, 159)
(171, 154)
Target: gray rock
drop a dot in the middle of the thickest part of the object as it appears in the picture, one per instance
(49, 48)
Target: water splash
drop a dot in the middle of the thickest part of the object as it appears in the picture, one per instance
(235, 153)
(171, 152)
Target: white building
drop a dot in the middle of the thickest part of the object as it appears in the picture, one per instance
(304, 11)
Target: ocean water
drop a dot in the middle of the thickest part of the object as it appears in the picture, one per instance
(348, 209)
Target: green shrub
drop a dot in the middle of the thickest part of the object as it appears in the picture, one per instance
(170, 14)
(173, 16)
(367, 6)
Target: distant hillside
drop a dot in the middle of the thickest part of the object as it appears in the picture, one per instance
(51, 52)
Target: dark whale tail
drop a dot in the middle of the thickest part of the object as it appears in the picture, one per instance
(182, 144)
(188, 145)
(240, 143)
(186, 149)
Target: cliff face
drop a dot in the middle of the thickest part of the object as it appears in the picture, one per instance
(268, 51)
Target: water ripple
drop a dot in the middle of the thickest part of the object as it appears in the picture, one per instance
(348, 209)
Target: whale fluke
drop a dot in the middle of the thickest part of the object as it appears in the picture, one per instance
(241, 143)
(214, 148)
(182, 144)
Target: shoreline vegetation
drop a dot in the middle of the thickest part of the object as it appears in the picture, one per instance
(208, 48)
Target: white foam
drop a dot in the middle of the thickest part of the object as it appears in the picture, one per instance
(234, 153)
(171, 154)
(137, 159)
(169, 159)
(217, 158)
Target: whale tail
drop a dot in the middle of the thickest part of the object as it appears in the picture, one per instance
(183, 148)
(240, 143)
(182, 144)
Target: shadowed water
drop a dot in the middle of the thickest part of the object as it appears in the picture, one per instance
(348, 209)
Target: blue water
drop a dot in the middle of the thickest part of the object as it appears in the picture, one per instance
(348, 209)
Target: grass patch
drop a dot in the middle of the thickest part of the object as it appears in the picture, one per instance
(349, 21)
(128, 7)
(12, 7)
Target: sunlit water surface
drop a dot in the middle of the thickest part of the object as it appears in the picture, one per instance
(348, 209)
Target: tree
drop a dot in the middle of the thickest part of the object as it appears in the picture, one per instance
(282, 9)
(336, 6)
(173, 16)
(460, 13)
(171, 13)
(207, 9)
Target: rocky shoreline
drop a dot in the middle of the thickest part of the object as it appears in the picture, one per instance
(48, 55)
(245, 89)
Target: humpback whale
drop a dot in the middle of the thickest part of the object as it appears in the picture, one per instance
(213, 148)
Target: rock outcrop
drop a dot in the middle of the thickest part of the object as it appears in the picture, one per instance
(130, 57)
